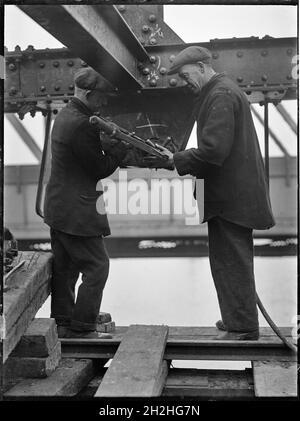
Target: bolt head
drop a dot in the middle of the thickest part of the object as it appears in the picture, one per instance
(12, 66)
(264, 78)
(162, 70)
(152, 59)
(153, 82)
(240, 79)
(239, 54)
(43, 88)
(145, 28)
(146, 71)
(70, 63)
(173, 82)
(56, 63)
(42, 65)
(152, 18)
(153, 41)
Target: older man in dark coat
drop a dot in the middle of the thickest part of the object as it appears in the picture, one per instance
(74, 208)
(236, 197)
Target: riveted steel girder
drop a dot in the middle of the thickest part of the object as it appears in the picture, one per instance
(98, 35)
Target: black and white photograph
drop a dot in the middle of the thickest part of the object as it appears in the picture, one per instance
(149, 203)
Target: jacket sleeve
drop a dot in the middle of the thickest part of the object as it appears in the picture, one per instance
(215, 142)
(86, 146)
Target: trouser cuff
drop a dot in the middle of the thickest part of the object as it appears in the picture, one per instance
(82, 326)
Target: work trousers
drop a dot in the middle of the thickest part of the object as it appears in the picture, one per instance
(231, 262)
(74, 255)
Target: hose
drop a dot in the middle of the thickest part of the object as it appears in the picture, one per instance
(264, 312)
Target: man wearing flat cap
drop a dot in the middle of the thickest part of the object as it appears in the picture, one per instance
(236, 197)
(71, 203)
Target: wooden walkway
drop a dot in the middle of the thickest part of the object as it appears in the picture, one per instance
(140, 355)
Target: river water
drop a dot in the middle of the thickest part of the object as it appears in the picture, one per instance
(180, 292)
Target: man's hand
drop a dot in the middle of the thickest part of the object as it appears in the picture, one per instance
(152, 161)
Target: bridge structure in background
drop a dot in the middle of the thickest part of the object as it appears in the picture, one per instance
(132, 47)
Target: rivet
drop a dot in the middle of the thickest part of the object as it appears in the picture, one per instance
(152, 18)
(153, 41)
(240, 79)
(152, 59)
(264, 78)
(240, 54)
(264, 53)
(289, 77)
(42, 65)
(162, 70)
(122, 8)
(215, 55)
(153, 82)
(12, 91)
(145, 28)
(171, 58)
(146, 71)
(57, 88)
(56, 63)
(70, 63)
(71, 87)
(12, 67)
(43, 88)
(173, 82)
(289, 51)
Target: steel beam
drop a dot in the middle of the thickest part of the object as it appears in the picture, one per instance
(25, 136)
(271, 133)
(287, 117)
(98, 35)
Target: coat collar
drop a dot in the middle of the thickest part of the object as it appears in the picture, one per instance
(81, 106)
(210, 84)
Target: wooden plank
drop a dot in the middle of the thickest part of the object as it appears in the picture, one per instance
(138, 369)
(24, 294)
(208, 384)
(67, 380)
(275, 378)
(31, 366)
(39, 339)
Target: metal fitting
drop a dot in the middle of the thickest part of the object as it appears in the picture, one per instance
(171, 58)
(70, 63)
(122, 8)
(152, 59)
(71, 87)
(162, 70)
(12, 66)
(289, 51)
(42, 65)
(145, 28)
(264, 78)
(56, 63)
(173, 82)
(240, 79)
(57, 88)
(43, 88)
(83, 63)
(239, 54)
(153, 41)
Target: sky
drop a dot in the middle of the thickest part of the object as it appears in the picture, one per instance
(193, 23)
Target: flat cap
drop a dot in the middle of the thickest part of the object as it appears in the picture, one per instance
(190, 55)
(87, 78)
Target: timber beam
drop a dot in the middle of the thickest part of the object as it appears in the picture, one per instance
(97, 34)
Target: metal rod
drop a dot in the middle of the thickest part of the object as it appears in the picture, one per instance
(38, 203)
(266, 125)
(287, 117)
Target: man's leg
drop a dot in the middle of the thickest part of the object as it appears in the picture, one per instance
(91, 258)
(64, 278)
(231, 261)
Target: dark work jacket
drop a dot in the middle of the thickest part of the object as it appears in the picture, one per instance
(228, 157)
(78, 163)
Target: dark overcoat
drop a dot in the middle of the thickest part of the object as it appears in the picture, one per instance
(72, 203)
(228, 157)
